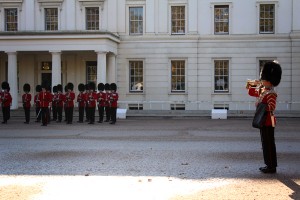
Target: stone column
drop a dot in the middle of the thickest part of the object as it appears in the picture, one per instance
(101, 67)
(13, 78)
(111, 70)
(56, 67)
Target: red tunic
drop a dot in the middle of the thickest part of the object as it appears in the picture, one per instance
(60, 99)
(54, 99)
(37, 101)
(114, 99)
(91, 99)
(6, 99)
(70, 96)
(45, 98)
(269, 99)
(26, 98)
(81, 99)
(102, 99)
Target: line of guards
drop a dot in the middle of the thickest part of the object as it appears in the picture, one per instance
(47, 103)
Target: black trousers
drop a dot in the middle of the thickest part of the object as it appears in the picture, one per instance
(87, 114)
(81, 113)
(268, 145)
(101, 113)
(59, 113)
(113, 114)
(69, 114)
(6, 113)
(44, 112)
(54, 112)
(107, 113)
(91, 112)
(27, 114)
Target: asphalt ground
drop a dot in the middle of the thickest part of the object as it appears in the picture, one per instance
(146, 158)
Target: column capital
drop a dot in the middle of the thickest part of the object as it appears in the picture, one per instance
(11, 52)
(55, 52)
(101, 52)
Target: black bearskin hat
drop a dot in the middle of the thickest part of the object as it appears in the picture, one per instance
(5, 85)
(100, 86)
(81, 87)
(107, 86)
(55, 89)
(87, 87)
(271, 72)
(48, 88)
(92, 86)
(59, 88)
(26, 87)
(66, 88)
(45, 84)
(38, 88)
(113, 86)
(70, 86)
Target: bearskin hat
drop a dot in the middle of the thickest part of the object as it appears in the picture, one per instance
(81, 87)
(92, 86)
(87, 87)
(38, 88)
(107, 86)
(113, 86)
(48, 88)
(26, 87)
(100, 86)
(271, 72)
(66, 88)
(55, 88)
(45, 84)
(59, 88)
(70, 86)
(5, 85)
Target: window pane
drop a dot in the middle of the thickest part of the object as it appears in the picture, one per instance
(92, 18)
(136, 20)
(51, 19)
(11, 19)
(178, 76)
(91, 72)
(267, 18)
(221, 19)
(178, 19)
(136, 76)
(221, 75)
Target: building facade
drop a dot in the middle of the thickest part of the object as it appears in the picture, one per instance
(163, 54)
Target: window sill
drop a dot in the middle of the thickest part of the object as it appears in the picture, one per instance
(177, 93)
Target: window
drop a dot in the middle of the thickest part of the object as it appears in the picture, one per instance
(11, 19)
(135, 106)
(177, 106)
(178, 76)
(178, 19)
(51, 19)
(136, 76)
(92, 18)
(91, 72)
(221, 19)
(221, 75)
(266, 18)
(136, 20)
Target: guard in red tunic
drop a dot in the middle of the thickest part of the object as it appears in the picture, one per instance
(91, 101)
(60, 102)
(45, 99)
(87, 91)
(26, 99)
(37, 103)
(70, 97)
(81, 102)
(6, 100)
(113, 98)
(264, 91)
(107, 102)
(54, 103)
(101, 101)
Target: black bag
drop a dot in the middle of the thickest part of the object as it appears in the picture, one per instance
(260, 115)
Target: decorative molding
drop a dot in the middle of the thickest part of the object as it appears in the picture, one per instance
(91, 3)
(50, 3)
(11, 4)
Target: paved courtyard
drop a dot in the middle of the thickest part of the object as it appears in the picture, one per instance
(146, 158)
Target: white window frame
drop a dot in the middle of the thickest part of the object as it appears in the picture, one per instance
(229, 76)
(129, 76)
(185, 18)
(4, 18)
(58, 18)
(276, 5)
(129, 30)
(131, 4)
(185, 76)
(5, 5)
(85, 17)
(212, 6)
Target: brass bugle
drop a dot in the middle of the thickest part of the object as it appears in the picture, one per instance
(252, 83)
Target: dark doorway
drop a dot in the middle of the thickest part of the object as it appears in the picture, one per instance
(47, 77)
